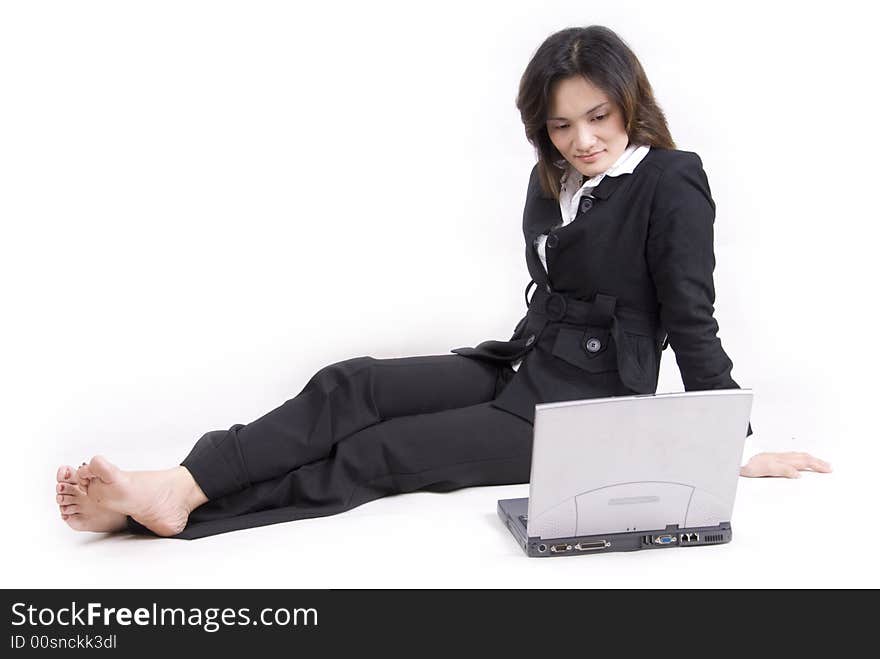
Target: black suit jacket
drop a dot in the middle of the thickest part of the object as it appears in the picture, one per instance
(646, 247)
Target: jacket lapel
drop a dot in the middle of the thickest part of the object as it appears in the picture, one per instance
(609, 185)
(541, 214)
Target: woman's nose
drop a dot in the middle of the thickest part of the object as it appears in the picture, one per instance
(586, 139)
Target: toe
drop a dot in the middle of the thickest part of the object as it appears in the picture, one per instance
(66, 474)
(67, 488)
(71, 509)
(104, 469)
(65, 499)
(83, 475)
(83, 472)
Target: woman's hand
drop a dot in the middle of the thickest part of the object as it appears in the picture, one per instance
(788, 465)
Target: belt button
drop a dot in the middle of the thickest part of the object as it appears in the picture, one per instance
(586, 204)
(530, 340)
(552, 240)
(594, 344)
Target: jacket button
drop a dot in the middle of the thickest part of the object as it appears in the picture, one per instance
(586, 204)
(530, 340)
(594, 344)
(552, 240)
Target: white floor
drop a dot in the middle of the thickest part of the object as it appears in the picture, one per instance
(787, 533)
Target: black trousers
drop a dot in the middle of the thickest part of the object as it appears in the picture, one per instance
(361, 429)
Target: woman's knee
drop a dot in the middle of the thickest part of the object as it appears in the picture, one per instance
(331, 375)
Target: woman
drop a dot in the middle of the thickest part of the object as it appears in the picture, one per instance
(618, 228)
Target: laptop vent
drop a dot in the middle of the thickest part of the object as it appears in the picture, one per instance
(713, 538)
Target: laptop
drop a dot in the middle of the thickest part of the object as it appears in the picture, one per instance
(631, 472)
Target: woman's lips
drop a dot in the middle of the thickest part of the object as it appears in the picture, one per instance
(590, 158)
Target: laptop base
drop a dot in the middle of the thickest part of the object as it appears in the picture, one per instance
(513, 513)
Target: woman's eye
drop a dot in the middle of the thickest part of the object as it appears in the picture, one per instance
(596, 118)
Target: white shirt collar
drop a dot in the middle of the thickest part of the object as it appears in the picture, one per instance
(625, 164)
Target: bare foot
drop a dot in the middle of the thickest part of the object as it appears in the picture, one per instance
(81, 513)
(160, 500)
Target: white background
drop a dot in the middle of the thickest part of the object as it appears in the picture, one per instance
(203, 203)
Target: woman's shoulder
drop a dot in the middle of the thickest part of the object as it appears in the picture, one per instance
(671, 159)
(680, 181)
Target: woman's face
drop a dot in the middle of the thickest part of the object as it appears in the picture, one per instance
(583, 121)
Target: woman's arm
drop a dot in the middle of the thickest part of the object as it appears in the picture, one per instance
(681, 259)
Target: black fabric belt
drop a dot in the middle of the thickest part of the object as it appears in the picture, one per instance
(601, 312)
(599, 319)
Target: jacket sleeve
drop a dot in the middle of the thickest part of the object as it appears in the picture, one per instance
(681, 260)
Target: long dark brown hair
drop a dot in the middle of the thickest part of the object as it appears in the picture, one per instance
(603, 58)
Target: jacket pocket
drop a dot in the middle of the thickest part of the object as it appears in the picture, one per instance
(638, 359)
(572, 343)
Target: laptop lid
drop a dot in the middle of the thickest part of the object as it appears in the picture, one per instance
(636, 463)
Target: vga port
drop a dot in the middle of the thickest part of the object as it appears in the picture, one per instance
(665, 539)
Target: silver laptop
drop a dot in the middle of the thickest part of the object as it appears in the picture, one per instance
(632, 472)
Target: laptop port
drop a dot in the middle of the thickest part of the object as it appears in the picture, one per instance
(542, 548)
(665, 539)
(560, 548)
(592, 546)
